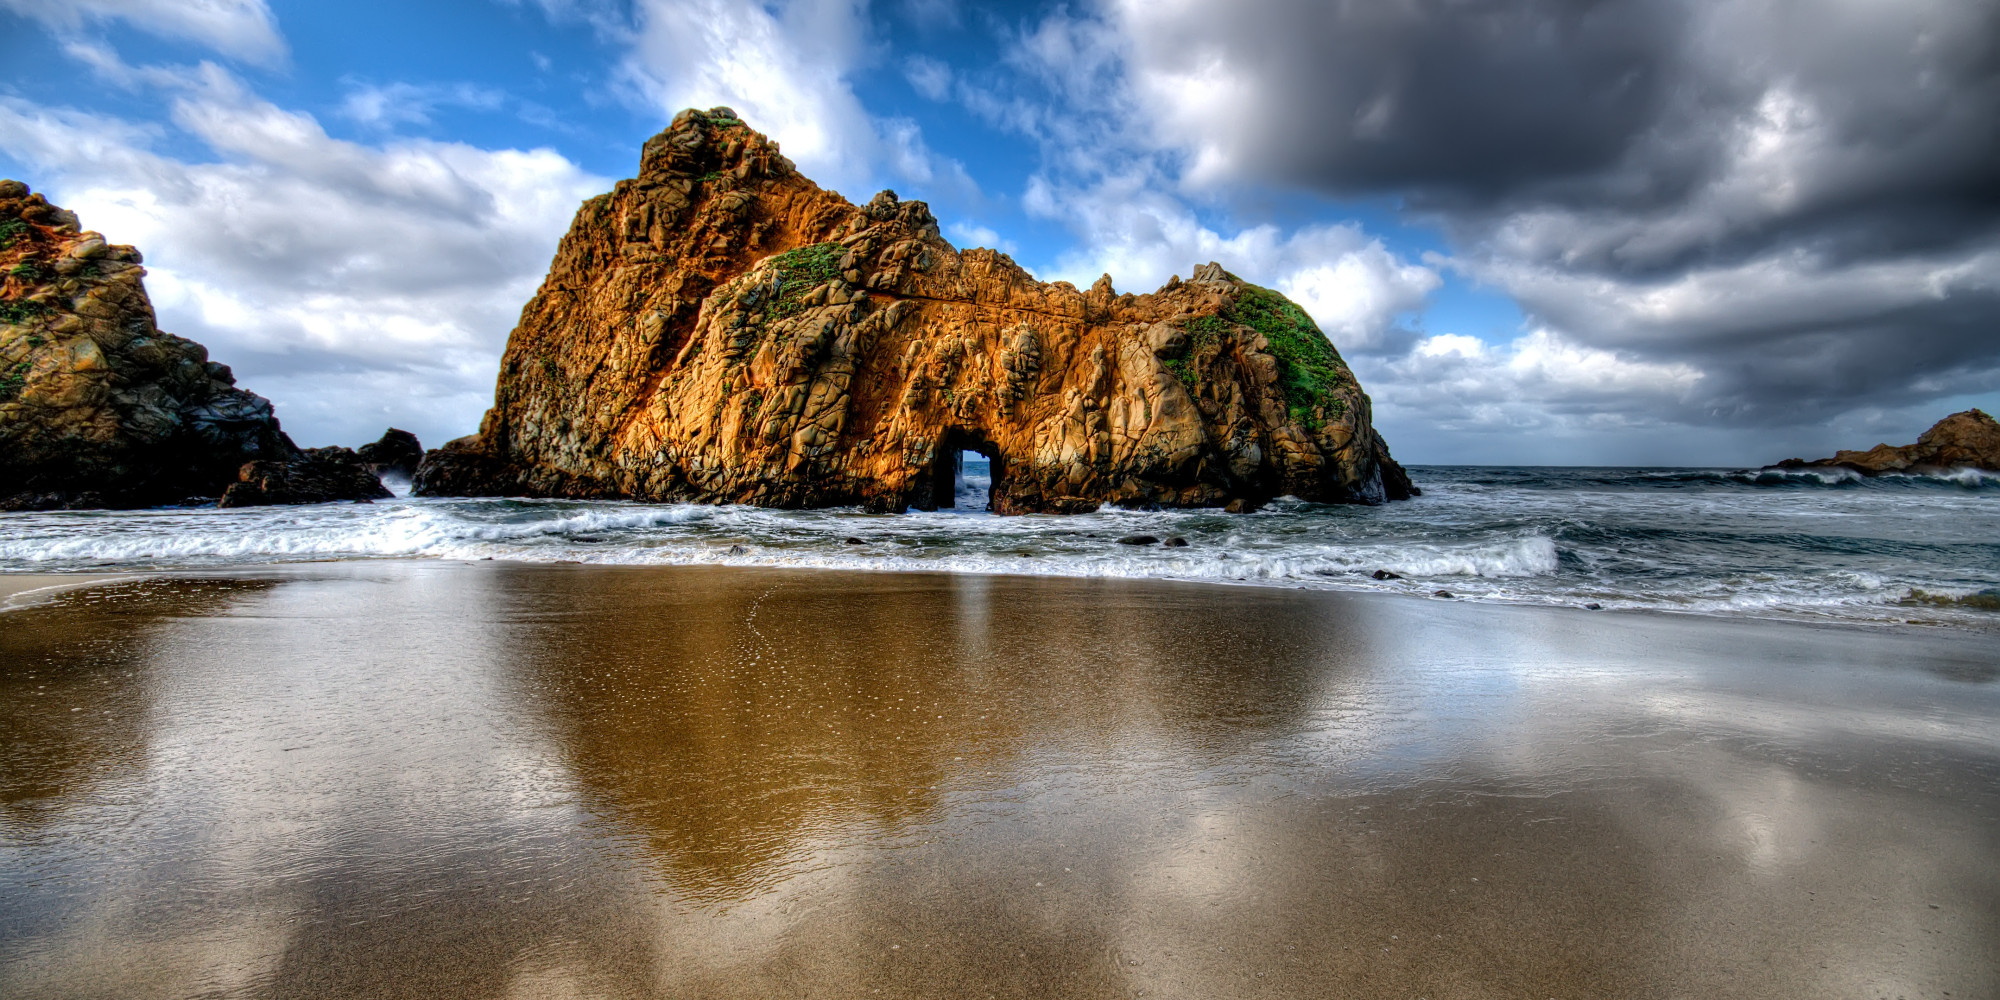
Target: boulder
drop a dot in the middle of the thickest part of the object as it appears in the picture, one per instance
(397, 453)
(720, 329)
(98, 406)
(316, 475)
(1969, 439)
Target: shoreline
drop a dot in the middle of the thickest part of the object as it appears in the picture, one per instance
(27, 590)
(1680, 542)
(58, 583)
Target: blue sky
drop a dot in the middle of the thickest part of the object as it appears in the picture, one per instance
(349, 203)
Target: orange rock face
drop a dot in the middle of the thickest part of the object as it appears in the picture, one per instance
(721, 329)
(1966, 439)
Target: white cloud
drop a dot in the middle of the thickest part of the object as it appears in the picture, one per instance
(928, 76)
(1140, 235)
(411, 104)
(355, 285)
(241, 29)
(1539, 381)
(966, 234)
(784, 67)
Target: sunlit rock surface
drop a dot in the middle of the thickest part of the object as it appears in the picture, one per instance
(721, 329)
(100, 408)
(1968, 439)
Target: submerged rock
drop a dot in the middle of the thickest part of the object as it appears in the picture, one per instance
(98, 406)
(1967, 439)
(721, 329)
(1984, 600)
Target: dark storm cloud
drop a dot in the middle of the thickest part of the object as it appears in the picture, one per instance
(1472, 98)
(1802, 199)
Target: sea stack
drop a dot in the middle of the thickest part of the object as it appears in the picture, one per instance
(98, 406)
(396, 453)
(1968, 439)
(720, 329)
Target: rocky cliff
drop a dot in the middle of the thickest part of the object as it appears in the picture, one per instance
(98, 407)
(721, 329)
(1967, 439)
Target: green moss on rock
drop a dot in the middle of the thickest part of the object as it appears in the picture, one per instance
(1310, 372)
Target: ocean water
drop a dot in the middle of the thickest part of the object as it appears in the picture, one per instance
(1815, 545)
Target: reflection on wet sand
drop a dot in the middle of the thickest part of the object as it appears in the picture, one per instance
(496, 781)
(734, 724)
(77, 686)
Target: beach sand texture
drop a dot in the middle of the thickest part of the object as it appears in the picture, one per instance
(437, 779)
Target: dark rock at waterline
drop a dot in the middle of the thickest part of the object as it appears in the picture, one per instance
(1968, 438)
(1984, 600)
(1383, 574)
(316, 475)
(1176, 542)
(1138, 540)
(396, 453)
(851, 540)
(99, 407)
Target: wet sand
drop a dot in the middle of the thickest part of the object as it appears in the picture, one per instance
(18, 590)
(495, 780)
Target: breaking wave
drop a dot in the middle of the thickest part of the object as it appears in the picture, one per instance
(1715, 541)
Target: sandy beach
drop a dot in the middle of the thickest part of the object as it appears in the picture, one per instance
(446, 779)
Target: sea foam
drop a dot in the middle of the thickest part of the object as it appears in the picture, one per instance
(1687, 540)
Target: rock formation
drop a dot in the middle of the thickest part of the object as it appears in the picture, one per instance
(1967, 439)
(721, 329)
(315, 475)
(98, 407)
(396, 453)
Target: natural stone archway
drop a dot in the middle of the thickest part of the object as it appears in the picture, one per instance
(721, 329)
(947, 469)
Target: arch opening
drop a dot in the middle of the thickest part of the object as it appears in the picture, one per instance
(966, 471)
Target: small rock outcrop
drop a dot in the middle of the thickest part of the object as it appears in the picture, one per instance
(1969, 439)
(316, 475)
(721, 329)
(397, 453)
(98, 406)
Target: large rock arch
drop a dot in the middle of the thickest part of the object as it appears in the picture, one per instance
(721, 329)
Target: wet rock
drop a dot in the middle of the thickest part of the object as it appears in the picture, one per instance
(318, 475)
(1984, 600)
(1175, 542)
(1966, 439)
(851, 540)
(396, 453)
(723, 330)
(1383, 574)
(1137, 540)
